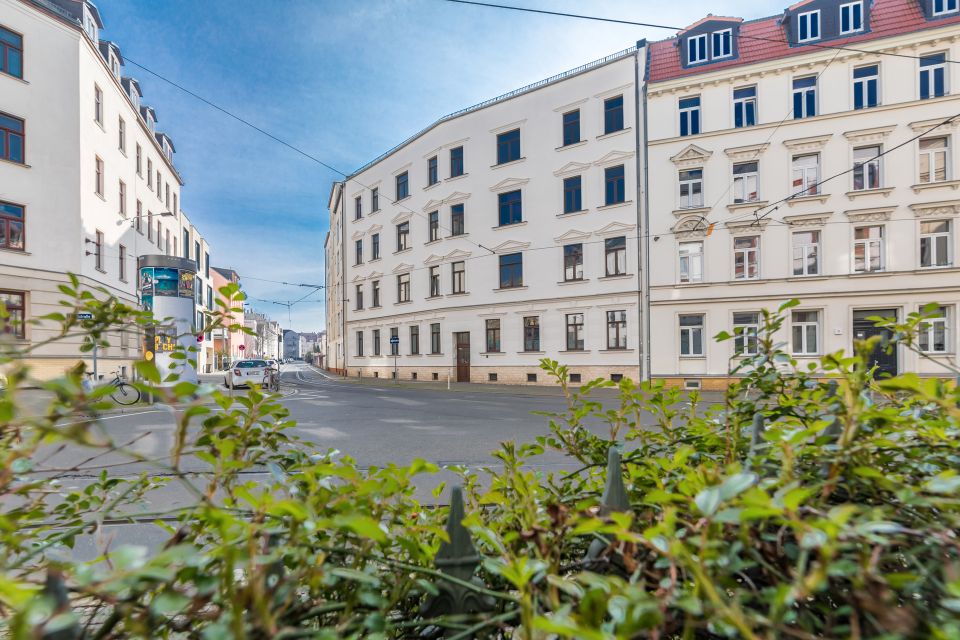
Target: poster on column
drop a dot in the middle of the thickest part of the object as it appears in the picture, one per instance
(165, 281)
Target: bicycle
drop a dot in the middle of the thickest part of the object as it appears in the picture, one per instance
(271, 379)
(124, 393)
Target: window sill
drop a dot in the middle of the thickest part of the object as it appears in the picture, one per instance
(407, 250)
(508, 164)
(437, 297)
(564, 147)
(575, 351)
(22, 252)
(693, 357)
(936, 267)
(15, 163)
(511, 225)
(434, 355)
(745, 280)
(740, 206)
(691, 211)
(923, 186)
(885, 192)
(458, 293)
(616, 350)
(459, 235)
(403, 302)
(492, 353)
(820, 197)
(613, 134)
(428, 243)
(812, 276)
(99, 195)
(13, 77)
(619, 276)
(501, 289)
(374, 259)
(698, 283)
(570, 214)
(615, 205)
(531, 353)
(452, 178)
(579, 281)
(374, 212)
(806, 355)
(103, 271)
(431, 186)
(398, 200)
(376, 306)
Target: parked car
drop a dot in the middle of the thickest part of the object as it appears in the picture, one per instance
(274, 364)
(243, 372)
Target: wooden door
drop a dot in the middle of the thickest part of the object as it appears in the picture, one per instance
(883, 357)
(462, 340)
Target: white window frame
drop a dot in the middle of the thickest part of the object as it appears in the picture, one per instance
(804, 91)
(930, 69)
(804, 325)
(808, 15)
(862, 82)
(946, 10)
(849, 6)
(701, 48)
(802, 249)
(713, 40)
(746, 338)
(926, 332)
(742, 181)
(746, 253)
(868, 251)
(687, 335)
(686, 113)
(689, 258)
(931, 154)
(875, 160)
(741, 103)
(690, 204)
(932, 239)
(806, 184)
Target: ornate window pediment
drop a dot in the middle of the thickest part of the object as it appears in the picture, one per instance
(874, 214)
(934, 209)
(432, 205)
(510, 246)
(456, 197)
(401, 217)
(691, 156)
(571, 168)
(807, 219)
(457, 254)
(403, 267)
(375, 228)
(357, 235)
(613, 157)
(571, 235)
(875, 134)
(433, 259)
(926, 125)
(749, 152)
(746, 226)
(614, 228)
(812, 143)
(691, 227)
(509, 183)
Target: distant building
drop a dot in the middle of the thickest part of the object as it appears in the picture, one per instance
(226, 343)
(291, 345)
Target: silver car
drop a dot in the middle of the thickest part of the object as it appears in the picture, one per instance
(243, 372)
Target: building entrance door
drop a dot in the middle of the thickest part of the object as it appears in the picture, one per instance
(462, 340)
(886, 363)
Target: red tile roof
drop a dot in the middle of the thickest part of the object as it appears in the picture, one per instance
(765, 39)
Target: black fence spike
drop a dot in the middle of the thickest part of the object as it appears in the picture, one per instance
(615, 492)
(55, 589)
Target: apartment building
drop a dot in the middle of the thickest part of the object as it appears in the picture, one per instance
(226, 342)
(87, 180)
(811, 155)
(495, 237)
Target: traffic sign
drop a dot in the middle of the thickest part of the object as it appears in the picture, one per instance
(394, 339)
(242, 347)
(84, 316)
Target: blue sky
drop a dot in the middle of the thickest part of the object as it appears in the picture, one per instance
(344, 80)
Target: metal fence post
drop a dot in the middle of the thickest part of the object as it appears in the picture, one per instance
(614, 499)
(55, 590)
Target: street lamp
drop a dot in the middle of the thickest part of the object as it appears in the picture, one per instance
(165, 214)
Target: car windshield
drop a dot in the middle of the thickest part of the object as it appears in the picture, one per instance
(250, 364)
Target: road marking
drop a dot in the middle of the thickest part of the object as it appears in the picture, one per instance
(110, 417)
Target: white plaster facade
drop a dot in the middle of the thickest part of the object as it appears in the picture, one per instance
(83, 119)
(543, 293)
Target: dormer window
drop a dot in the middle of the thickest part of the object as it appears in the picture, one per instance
(808, 26)
(697, 49)
(851, 17)
(115, 66)
(722, 44)
(943, 7)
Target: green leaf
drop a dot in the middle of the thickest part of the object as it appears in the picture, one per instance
(363, 526)
(169, 603)
(736, 484)
(708, 500)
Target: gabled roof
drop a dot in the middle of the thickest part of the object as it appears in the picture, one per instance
(105, 46)
(710, 18)
(127, 82)
(161, 137)
(766, 39)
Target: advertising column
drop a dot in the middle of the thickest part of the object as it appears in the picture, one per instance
(167, 289)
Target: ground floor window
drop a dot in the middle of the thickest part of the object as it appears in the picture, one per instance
(575, 332)
(806, 332)
(435, 338)
(493, 335)
(746, 328)
(531, 333)
(13, 323)
(616, 329)
(933, 333)
(691, 335)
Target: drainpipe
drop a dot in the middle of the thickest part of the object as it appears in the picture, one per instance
(643, 214)
(343, 271)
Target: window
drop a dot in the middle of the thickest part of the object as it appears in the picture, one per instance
(531, 333)
(150, 225)
(358, 252)
(746, 328)
(940, 7)
(511, 270)
(376, 342)
(434, 274)
(511, 211)
(572, 195)
(166, 199)
(12, 219)
(615, 255)
(159, 183)
(616, 329)
(98, 105)
(175, 204)
(851, 17)
(456, 220)
(616, 189)
(866, 168)
(746, 258)
(435, 338)
(493, 335)
(691, 189)
(357, 208)
(744, 107)
(403, 236)
(933, 76)
(374, 199)
(186, 244)
(122, 192)
(433, 226)
(691, 335)
(804, 97)
(139, 160)
(394, 344)
(722, 42)
(403, 287)
(11, 53)
(865, 87)
(123, 263)
(806, 253)
(456, 162)
(149, 173)
(868, 249)
(935, 243)
(934, 165)
(11, 138)
(691, 261)
(690, 116)
(571, 127)
(697, 49)
(508, 146)
(403, 186)
(122, 133)
(98, 250)
(459, 275)
(572, 262)
(806, 333)
(375, 246)
(574, 332)
(806, 175)
(432, 173)
(209, 297)
(808, 26)
(415, 340)
(98, 186)
(746, 182)
(13, 324)
(166, 242)
(932, 336)
(138, 219)
(375, 294)
(360, 344)
(613, 114)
